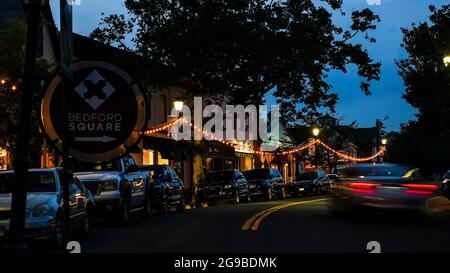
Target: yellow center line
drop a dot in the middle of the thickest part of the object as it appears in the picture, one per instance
(255, 221)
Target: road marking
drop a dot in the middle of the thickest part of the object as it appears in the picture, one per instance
(255, 221)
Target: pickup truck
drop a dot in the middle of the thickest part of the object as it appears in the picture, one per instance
(118, 187)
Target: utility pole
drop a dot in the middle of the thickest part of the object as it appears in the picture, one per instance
(378, 125)
(19, 196)
(66, 72)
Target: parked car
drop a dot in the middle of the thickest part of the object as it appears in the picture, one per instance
(266, 182)
(382, 187)
(45, 210)
(118, 187)
(221, 185)
(334, 180)
(168, 188)
(315, 182)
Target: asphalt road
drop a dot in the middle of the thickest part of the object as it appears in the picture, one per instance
(288, 226)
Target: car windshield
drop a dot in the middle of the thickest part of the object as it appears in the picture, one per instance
(219, 176)
(377, 170)
(257, 174)
(37, 182)
(307, 176)
(114, 166)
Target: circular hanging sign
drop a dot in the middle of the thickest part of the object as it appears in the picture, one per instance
(105, 116)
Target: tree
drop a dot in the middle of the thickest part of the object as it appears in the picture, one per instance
(335, 134)
(12, 42)
(243, 49)
(426, 142)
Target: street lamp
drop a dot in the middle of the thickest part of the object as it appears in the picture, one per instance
(446, 60)
(178, 104)
(316, 131)
(384, 141)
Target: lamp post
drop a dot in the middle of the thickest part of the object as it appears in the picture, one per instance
(384, 142)
(19, 196)
(315, 132)
(178, 104)
(446, 60)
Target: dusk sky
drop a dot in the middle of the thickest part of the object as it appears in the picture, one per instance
(386, 98)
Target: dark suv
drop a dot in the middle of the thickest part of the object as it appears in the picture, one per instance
(168, 188)
(316, 182)
(266, 182)
(227, 184)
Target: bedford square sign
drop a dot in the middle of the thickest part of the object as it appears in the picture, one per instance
(105, 116)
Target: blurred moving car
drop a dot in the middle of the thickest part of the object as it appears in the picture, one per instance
(168, 188)
(316, 182)
(226, 184)
(266, 182)
(45, 211)
(382, 186)
(445, 186)
(118, 187)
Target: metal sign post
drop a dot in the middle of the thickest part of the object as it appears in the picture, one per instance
(66, 41)
(19, 197)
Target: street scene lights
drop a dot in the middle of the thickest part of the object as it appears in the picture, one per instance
(384, 141)
(446, 60)
(316, 131)
(178, 104)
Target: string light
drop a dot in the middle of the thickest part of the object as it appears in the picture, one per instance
(3, 81)
(162, 127)
(285, 152)
(14, 88)
(349, 157)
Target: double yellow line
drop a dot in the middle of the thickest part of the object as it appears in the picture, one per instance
(255, 221)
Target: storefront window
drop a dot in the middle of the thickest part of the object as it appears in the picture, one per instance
(148, 157)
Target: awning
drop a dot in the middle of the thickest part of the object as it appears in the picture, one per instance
(168, 147)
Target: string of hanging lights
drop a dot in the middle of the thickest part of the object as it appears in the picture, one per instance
(211, 136)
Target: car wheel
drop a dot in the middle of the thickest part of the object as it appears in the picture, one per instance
(294, 193)
(86, 228)
(282, 194)
(269, 194)
(165, 205)
(249, 198)
(237, 198)
(147, 207)
(318, 190)
(181, 206)
(124, 211)
(59, 238)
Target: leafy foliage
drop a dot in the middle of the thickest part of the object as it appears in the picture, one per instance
(12, 44)
(245, 48)
(426, 142)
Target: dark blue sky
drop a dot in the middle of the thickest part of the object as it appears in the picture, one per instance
(386, 98)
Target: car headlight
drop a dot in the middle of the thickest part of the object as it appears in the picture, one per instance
(228, 186)
(108, 185)
(41, 210)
